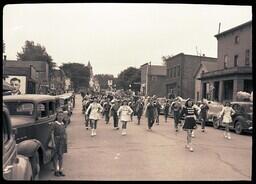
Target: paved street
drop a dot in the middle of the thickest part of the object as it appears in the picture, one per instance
(156, 155)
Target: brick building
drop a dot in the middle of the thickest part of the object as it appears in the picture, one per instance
(152, 80)
(181, 70)
(234, 71)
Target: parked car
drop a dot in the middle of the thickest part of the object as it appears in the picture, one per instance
(213, 112)
(242, 119)
(32, 115)
(15, 166)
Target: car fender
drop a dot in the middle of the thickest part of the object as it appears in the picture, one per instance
(240, 119)
(23, 168)
(28, 147)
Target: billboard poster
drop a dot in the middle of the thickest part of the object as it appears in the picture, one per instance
(18, 82)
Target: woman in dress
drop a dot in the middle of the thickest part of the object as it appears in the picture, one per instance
(95, 110)
(124, 112)
(190, 122)
(226, 115)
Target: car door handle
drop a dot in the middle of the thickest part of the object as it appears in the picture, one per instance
(7, 169)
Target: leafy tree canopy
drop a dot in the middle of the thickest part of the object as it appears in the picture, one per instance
(103, 80)
(79, 74)
(129, 76)
(32, 52)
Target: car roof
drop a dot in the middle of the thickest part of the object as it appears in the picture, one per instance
(241, 102)
(29, 97)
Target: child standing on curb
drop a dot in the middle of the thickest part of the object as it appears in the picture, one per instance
(60, 143)
(225, 114)
(124, 112)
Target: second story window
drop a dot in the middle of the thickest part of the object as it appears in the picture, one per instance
(178, 70)
(174, 72)
(237, 39)
(235, 60)
(171, 73)
(225, 61)
(247, 57)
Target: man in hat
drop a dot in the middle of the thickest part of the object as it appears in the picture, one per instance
(176, 108)
(150, 114)
(113, 110)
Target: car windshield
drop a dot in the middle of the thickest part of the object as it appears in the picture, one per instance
(243, 108)
(20, 108)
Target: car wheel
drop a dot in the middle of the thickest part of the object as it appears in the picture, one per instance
(238, 128)
(216, 123)
(35, 164)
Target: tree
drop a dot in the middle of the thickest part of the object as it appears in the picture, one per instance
(32, 52)
(103, 80)
(79, 74)
(130, 76)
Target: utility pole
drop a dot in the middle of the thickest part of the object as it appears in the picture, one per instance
(147, 77)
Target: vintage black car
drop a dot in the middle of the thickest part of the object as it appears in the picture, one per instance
(32, 116)
(15, 166)
(242, 119)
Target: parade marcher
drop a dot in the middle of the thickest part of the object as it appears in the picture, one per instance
(60, 143)
(95, 110)
(124, 112)
(139, 110)
(106, 110)
(190, 122)
(86, 116)
(176, 108)
(157, 111)
(226, 115)
(198, 110)
(150, 114)
(166, 110)
(113, 110)
(204, 110)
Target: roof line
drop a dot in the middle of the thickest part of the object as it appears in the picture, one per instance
(234, 28)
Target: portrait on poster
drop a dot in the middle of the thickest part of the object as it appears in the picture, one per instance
(18, 82)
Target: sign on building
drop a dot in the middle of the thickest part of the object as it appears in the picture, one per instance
(18, 82)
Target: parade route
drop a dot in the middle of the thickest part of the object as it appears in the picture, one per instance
(157, 155)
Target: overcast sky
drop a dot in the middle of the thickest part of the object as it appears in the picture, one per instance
(116, 36)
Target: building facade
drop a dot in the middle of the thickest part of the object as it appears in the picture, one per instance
(181, 70)
(25, 72)
(41, 71)
(152, 80)
(57, 81)
(234, 71)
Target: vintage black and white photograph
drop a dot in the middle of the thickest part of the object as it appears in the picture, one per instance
(127, 92)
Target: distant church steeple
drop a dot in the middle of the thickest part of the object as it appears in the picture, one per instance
(91, 83)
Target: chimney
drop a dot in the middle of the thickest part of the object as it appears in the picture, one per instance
(203, 55)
